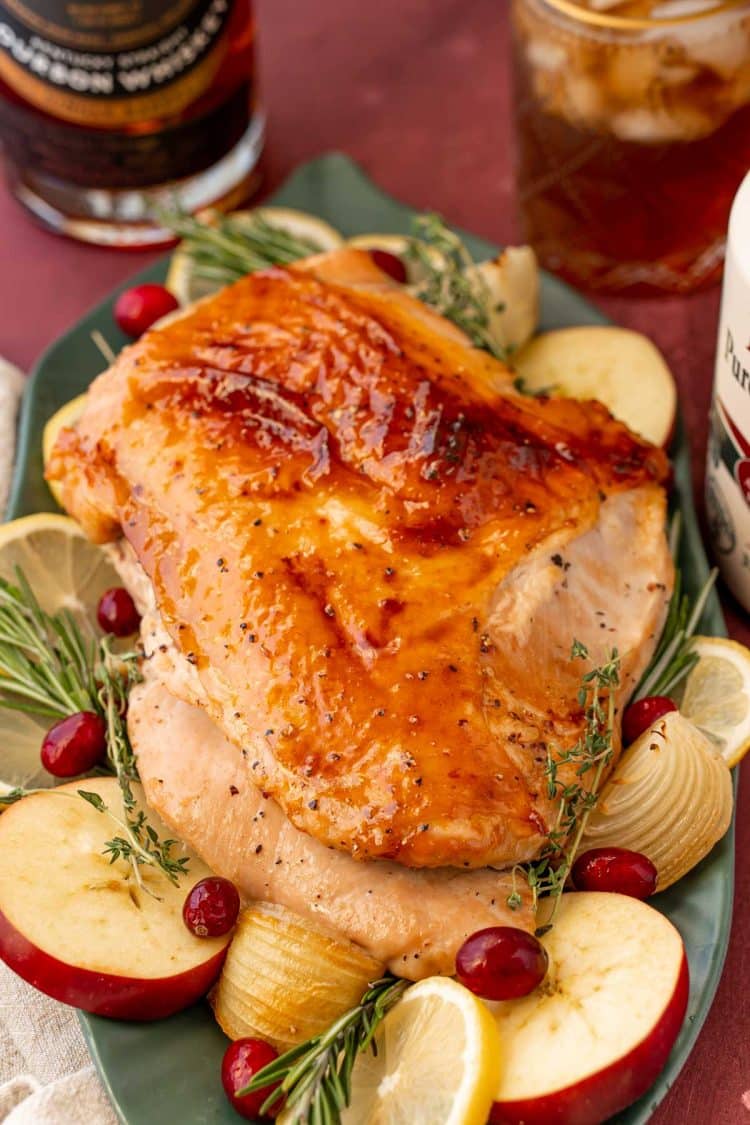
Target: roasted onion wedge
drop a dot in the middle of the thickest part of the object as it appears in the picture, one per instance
(285, 979)
(669, 797)
(512, 284)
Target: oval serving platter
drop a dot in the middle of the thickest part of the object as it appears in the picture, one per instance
(170, 1070)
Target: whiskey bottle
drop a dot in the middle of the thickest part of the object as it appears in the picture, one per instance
(108, 109)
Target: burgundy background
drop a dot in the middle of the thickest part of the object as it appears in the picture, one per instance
(416, 91)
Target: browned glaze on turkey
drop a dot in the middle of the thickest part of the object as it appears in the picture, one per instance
(375, 554)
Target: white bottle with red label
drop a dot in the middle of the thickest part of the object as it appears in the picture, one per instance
(728, 467)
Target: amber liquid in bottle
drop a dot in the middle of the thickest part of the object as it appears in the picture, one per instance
(108, 110)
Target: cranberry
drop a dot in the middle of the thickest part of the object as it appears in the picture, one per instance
(243, 1059)
(390, 264)
(138, 308)
(501, 963)
(640, 715)
(116, 612)
(74, 745)
(617, 870)
(211, 907)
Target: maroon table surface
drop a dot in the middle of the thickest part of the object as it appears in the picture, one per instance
(417, 92)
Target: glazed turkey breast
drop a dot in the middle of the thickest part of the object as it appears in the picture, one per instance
(372, 555)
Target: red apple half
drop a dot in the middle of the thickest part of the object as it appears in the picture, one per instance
(79, 928)
(596, 1033)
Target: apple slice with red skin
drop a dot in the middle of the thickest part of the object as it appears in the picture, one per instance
(596, 1033)
(79, 928)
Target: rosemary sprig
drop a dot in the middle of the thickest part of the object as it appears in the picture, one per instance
(590, 757)
(226, 248)
(674, 656)
(450, 283)
(316, 1076)
(48, 668)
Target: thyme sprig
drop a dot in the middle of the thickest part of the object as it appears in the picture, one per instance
(131, 847)
(674, 656)
(316, 1076)
(450, 283)
(48, 667)
(226, 248)
(589, 758)
(140, 843)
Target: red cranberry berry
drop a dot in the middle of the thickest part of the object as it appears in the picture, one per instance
(138, 308)
(616, 870)
(640, 715)
(390, 264)
(116, 612)
(211, 907)
(243, 1059)
(501, 963)
(74, 745)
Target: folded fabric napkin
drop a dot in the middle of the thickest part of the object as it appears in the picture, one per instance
(46, 1074)
(11, 386)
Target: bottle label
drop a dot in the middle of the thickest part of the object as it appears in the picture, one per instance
(728, 465)
(114, 63)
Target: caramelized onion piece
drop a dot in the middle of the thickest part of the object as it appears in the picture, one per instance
(669, 797)
(285, 980)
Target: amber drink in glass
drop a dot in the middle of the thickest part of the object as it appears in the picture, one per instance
(633, 126)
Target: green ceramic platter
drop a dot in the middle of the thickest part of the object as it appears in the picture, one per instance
(168, 1072)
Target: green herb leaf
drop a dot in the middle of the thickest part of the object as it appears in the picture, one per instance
(674, 658)
(450, 285)
(93, 799)
(316, 1076)
(226, 248)
(589, 758)
(12, 796)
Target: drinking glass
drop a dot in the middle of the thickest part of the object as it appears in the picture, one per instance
(633, 129)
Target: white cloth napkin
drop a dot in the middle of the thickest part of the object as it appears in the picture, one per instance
(11, 385)
(46, 1073)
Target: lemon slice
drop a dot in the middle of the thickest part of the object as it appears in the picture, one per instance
(186, 287)
(66, 416)
(65, 571)
(438, 1061)
(716, 695)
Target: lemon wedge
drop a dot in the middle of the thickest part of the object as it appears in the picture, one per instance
(66, 416)
(186, 287)
(65, 571)
(716, 695)
(438, 1061)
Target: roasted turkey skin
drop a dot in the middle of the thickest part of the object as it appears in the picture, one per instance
(375, 553)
